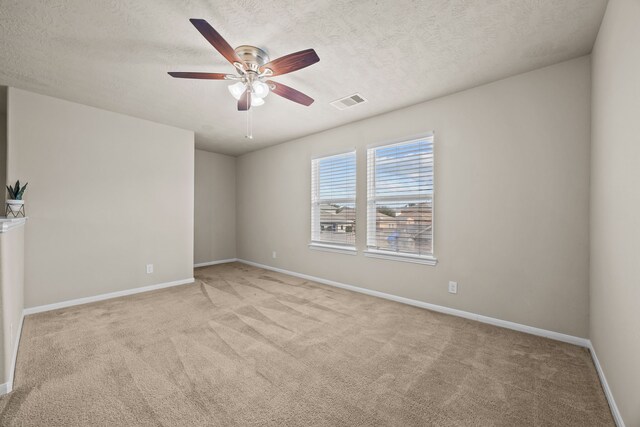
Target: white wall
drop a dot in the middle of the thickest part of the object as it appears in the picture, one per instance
(215, 207)
(615, 204)
(12, 295)
(511, 203)
(107, 194)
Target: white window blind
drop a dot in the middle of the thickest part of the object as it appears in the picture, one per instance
(400, 198)
(333, 200)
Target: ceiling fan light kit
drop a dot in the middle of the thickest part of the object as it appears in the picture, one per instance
(259, 90)
(253, 67)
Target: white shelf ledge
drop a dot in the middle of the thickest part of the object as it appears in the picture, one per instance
(7, 224)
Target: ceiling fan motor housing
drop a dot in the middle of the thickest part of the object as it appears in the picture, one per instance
(252, 56)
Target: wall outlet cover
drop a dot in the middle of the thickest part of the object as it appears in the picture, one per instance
(149, 268)
(453, 287)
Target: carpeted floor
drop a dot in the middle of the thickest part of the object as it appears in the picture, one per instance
(249, 347)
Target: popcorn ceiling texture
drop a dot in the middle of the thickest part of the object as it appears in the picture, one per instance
(114, 55)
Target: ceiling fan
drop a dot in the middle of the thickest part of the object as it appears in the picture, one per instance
(253, 68)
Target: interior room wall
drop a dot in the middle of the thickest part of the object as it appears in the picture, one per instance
(108, 194)
(511, 200)
(3, 155)
(615, 205)
(12, 296)
(215, 207)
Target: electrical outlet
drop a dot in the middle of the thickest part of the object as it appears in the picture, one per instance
(149, 268)
(273, 255)
(453, 287)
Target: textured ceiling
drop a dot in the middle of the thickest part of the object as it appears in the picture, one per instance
(114, 54)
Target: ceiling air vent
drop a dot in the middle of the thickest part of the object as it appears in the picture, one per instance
(348, 101)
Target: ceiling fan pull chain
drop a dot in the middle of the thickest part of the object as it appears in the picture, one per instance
(249, 125)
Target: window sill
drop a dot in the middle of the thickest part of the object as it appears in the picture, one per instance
(395, 256)
(348, 250)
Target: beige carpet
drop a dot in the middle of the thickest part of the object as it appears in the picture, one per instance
(249, 347)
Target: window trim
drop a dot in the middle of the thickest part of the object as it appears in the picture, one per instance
(397, 141)
(340, 249)
(400, 256)
(393, 255)
(326, 246)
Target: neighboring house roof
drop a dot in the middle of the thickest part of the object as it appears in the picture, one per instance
(420, 212)
(384, 217)
(337, 215)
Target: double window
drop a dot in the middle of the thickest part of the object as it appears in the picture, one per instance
(399, 201)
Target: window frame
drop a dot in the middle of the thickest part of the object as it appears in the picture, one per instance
(374, 252)
(322, 245)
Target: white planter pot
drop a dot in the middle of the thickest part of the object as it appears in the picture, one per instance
(15, 205)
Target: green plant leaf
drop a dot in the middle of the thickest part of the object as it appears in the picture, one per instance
(17, 192)
(21, 192)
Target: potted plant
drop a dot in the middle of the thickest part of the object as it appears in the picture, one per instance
(15, 202)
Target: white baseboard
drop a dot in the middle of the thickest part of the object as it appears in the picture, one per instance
(8, 386)
(583, 342)
(222, 261)
(605, 386)
(86, 300)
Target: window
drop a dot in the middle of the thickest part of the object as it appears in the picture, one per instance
(400, 201)
(333, 202)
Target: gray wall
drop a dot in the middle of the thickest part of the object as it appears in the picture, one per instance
(615, 204)
(107, 194)
(3, 157)
(215, 207)
(511, 201)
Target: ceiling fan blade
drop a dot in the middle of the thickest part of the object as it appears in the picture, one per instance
(206, 76)
(290, 93)
(244, 103)
(216, 40)
(292, 62)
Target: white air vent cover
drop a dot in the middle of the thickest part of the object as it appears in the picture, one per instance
(348, 101)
